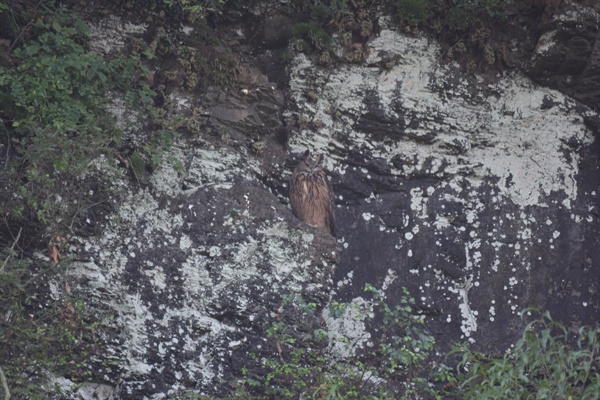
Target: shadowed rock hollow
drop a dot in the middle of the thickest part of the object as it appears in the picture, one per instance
(480, 197)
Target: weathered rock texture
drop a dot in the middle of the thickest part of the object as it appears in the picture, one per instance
(567, 56)
(480, 197)
(188, 276)
(474, 195)
(192, 264)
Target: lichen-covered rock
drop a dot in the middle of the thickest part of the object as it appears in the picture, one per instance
(187, 277)
(478, 196)
(194, 262)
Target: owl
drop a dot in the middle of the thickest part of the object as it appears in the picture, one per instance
(311, 196)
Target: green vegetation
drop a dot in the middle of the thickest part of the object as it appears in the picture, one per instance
(304, 359)
(465, 26)
(351, 21)
(196, 10)
(59, 149)
(548, 362)
(71, 123)
(456, 15)
(55, 94)
(34, 341)
(309, 361)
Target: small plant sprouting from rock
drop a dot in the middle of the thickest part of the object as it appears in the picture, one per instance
(138, 164)
(224, 133)
(259, 146)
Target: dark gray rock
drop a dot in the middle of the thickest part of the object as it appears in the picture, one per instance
(472, 195)
(191, 277)
(277, 30)
(567, 56)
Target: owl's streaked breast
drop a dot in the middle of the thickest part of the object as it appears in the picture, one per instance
(311, 196)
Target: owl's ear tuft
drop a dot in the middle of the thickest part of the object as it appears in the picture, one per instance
(306, 155)
(319, 159)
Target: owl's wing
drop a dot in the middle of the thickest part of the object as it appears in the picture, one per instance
(295, 195)
(331, 223)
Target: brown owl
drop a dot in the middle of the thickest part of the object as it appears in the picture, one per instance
(311, 196)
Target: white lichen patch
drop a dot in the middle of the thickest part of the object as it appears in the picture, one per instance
(390, 277)
(348, 332)
(492, 313)
(157, 275)
(218, 168)
(108, 168)
(134, 314)
(508, 136)
(346, 280)
(185, 242)
(243, 262)
(367, 216)
(126, 118)
(418, 202)
(195, 277)
(469, 316)
(110, 34)
(285, 262)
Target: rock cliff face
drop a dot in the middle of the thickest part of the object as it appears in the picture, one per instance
(469, 193)
(567, 56)
(479, 196)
